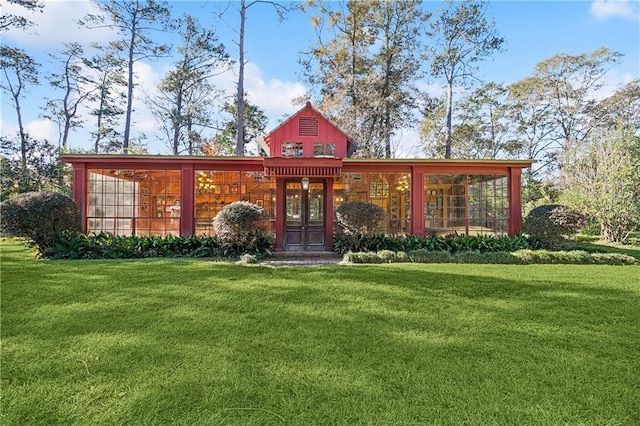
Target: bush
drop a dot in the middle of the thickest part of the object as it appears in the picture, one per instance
(343, 243)
(74, 245)
(547, 225)
(521, 257)
(40, 216)
(241, 228)
(359, 218)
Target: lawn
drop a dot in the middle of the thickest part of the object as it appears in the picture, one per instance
(189, 342)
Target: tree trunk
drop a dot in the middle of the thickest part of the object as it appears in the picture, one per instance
(240, 101)
(447, 152)
(127, 122)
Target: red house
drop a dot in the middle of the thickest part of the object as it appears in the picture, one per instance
(306, 176)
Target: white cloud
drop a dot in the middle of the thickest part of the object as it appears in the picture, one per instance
(42, 129)
(605, 9)
(56, 25)
(274, 96)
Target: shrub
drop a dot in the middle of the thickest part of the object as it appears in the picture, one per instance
(548, 224)
(522, 257)
(241, 228)
(343, 243)
(359, 218)
(74, 245)
(39, 216)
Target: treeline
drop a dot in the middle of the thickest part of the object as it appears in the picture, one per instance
(361, 70)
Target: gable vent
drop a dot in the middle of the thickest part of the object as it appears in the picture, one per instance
(308, 126)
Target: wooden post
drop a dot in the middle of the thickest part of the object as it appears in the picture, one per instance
(280, 214)
(328, 216)
(79, 192)
(515, 201)
(417, 202)
(187, 200)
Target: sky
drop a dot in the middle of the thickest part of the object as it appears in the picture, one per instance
(533, 31)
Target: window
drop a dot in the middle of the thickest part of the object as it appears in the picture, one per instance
(292, 149)
(134, 202)
(324, 149)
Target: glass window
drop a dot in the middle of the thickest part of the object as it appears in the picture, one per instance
(324, 149)
(477, 204)
(134, 202)
(215, 189)
(292, 149)
(391, 191)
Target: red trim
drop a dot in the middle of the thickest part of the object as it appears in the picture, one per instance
(280, 214)
(417, 202)
(515, 201)
(328, 216)
(187, 201)
(80, 190)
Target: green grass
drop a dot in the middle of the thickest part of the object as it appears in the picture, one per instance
(188, 342)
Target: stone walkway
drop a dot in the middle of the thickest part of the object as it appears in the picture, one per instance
(285, 259)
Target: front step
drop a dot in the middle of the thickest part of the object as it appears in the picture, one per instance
(284, 255)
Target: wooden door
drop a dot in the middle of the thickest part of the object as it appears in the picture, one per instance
(305, 216)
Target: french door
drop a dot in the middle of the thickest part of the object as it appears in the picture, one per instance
(305, 216)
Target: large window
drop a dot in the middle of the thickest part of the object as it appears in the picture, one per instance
(216, 189)
(461, 203)
(391, 191)
(134, 202)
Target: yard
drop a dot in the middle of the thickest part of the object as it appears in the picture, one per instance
(182, 341)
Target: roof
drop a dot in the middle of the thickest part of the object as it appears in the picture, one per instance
(353, 145)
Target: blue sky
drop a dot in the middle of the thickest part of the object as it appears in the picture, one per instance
(533, 32)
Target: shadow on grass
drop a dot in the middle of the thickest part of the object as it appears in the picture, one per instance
(195, 342)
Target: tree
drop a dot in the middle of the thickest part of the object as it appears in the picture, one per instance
(185, 97)
(337, 65)
(567, 84)
(8, 20)
(71, 80)
(432, 130)
(106, 75)
(19, 71)
(281, 10)
(43, 172)
(134, 20)
(255, 125)
(620, 109)
(464, 36)
(602, 180)
(483, 130)
(364, 71)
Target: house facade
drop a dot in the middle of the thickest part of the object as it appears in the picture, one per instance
(306, 176)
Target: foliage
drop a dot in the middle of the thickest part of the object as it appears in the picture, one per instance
(106, 76)
(71, 81)
(241, 228)
(19, 70)
(463, 37)
(548, 224)
(133, 22)
(39, 216)
(358, 218)
(9, 20)
(363, 66)
(75, 245)
(184, 101)
(343, 243)
(255, 125)
(602, 181)
(44, 171)
(520, 257)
